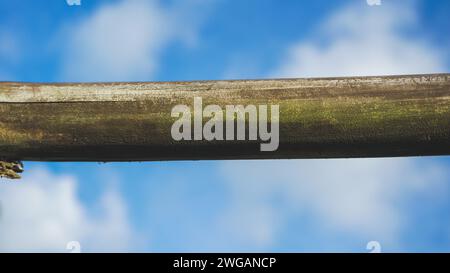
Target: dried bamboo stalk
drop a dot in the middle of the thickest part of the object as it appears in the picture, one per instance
(382, 116)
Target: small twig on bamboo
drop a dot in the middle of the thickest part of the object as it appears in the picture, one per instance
(10, 169)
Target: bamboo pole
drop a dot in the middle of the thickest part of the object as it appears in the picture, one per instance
(382, 116)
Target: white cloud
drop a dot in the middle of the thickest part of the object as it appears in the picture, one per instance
(9, 47)
(361, 197)
(364, 40)
(250, 223)
(10, 54)
(123, 41)
(42, 212)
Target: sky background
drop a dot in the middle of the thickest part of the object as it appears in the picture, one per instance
(225, 206)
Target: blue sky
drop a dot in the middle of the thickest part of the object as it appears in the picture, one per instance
(287, 205)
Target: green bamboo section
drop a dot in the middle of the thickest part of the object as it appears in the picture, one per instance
(318, 118)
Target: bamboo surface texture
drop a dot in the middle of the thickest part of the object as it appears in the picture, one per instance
(381, 116)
